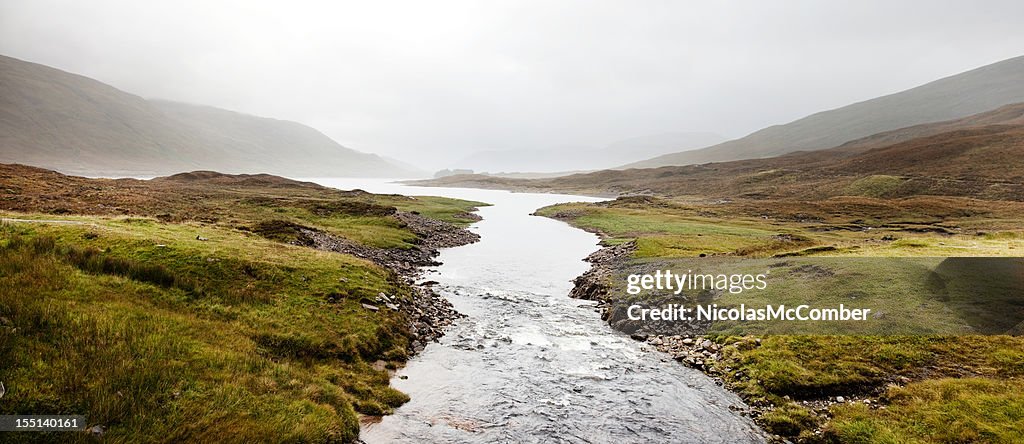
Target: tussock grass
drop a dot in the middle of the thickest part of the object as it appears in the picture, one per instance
(938, 410)
(155, 310)
(933, 388)
(916, 381)
(227, 340)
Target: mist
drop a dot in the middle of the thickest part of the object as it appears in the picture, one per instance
(434, 83)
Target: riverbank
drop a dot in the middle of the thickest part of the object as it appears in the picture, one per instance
(428, 313)
(527, 364)
(818, 387)
(212, 307)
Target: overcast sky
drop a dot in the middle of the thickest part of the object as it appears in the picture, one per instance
(431, 81)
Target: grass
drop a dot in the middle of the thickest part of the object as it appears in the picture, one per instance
(178, 323)
(244, 349)
(879, 185)
(930, 378)
(661, 233)
(919, 383)
(939, 410)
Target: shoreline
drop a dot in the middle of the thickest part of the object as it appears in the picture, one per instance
(428, 314)
(501, 184)
(692, 348)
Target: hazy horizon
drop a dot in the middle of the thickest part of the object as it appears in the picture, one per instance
(442, 81)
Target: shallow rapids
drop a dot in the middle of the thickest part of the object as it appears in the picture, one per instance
(529, 364)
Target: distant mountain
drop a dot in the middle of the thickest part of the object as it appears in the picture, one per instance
(953, 97)
(75, 124)
(657, 144)
(979, 156)
(585, 158)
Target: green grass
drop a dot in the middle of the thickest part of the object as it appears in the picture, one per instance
(948, 388)
(247, 350)
(159, 336)
(939, 410)
(669, 230)
(662, 233)
(440, 208)
(367, 220)
(788, 368)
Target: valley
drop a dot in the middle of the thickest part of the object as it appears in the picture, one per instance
(177, 272)
(213, 307)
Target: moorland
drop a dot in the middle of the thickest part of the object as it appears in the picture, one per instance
(210, 307)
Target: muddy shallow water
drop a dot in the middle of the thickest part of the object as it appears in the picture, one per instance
(528, 364)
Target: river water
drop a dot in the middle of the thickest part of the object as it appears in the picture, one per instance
(530, 364)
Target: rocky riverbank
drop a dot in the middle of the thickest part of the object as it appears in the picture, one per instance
(596, 284)
(427, 312)
(692, 349)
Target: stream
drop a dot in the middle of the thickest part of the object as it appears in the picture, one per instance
(529, 364)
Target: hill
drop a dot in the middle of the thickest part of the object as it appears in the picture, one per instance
(954, 97)
(59, 120)
(980, 156)
(565, 159)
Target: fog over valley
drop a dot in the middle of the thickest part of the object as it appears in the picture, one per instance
(518, 86)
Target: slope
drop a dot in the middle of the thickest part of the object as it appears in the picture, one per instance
(952, 97)
(55, 119)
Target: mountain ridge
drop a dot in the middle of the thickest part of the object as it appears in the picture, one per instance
(979, 156)
(56, 119)
(557, 160)
(952, 97)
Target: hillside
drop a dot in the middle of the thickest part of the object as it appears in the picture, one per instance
(980, 156)
(952, 97)
(565, 159)
(54, 119)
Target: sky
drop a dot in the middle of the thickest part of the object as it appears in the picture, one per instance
(430, 82)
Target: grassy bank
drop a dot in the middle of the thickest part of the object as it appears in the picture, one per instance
(179, 322)
(871, 387)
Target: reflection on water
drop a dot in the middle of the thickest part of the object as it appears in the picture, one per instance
(528, 364)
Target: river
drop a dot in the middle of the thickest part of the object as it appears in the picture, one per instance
(530, 364)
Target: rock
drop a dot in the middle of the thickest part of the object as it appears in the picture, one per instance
(688, 341)
(96, 430)
(840, 399)
(592, 285)
(371, 307)
(706, 344)
(391, 306)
